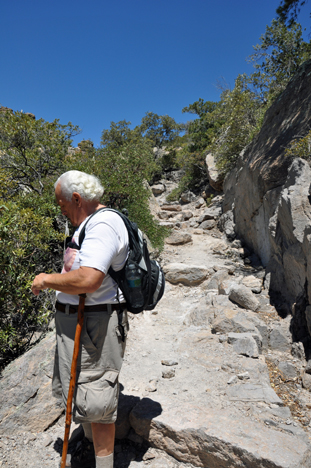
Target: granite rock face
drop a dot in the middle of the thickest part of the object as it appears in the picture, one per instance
(268, 195)
(25, 388)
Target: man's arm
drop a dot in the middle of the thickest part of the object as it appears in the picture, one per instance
(80, 281)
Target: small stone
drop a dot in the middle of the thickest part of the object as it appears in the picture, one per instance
(222, 338)
(244, 376)
(232, 380)
(169, 362)
(168, 374)
(152, 387)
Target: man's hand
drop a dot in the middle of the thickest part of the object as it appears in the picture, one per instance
(38, 284)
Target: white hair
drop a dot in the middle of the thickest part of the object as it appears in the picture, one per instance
(87, 185)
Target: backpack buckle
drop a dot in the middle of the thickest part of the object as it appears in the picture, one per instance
(67, 307)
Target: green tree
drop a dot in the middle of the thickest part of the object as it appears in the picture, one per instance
(239, 115)
(200, 131)
(289, 10)
(118, 134)
(32, 150)
(161, 130)
(277, 58)
(124, 171)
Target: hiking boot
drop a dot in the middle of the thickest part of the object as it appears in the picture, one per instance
(84, 455)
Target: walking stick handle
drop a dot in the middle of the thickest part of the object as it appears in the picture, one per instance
(73, 374)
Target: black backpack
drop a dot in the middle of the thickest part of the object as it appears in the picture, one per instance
(152, 282)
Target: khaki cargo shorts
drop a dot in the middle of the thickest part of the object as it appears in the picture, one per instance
(100, 359)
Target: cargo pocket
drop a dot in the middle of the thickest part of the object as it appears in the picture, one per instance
(97, 400)
(92, 342)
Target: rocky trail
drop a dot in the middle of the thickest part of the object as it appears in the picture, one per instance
(211, 377)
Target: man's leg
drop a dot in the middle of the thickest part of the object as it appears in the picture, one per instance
(103, 439)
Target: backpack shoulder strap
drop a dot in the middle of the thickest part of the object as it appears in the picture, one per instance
(82, 233)
(131, 228)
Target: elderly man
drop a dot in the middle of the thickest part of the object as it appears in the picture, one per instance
(105, 324)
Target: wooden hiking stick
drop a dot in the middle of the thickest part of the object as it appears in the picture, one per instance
(73, 374)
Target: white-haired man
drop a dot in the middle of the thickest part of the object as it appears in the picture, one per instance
(105, 324)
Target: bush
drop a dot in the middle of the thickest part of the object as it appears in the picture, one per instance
(29, 244)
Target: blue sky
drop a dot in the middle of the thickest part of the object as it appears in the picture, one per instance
(100, 61)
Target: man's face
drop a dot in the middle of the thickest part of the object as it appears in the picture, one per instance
(69, 208)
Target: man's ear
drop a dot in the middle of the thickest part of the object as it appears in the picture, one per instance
(76, 198)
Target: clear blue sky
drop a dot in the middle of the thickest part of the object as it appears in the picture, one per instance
(97, 61)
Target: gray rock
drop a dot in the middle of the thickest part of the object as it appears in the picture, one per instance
(253, 392)
(280, 411)
(169, 362)
(298, 351)
(288, 369)
(215, 178)
(220, 300)
(187, 215)
(243, 376)
(253, 283)
(208, 225)
(244, 343)
(306, 381)
(171, 207)
(244, 297)
(168, 373)
(30, 405)
(211, 213)
(199, 317)
(167, 224)
(226, 224)
(163, 215)
(216, 279)
(199, 203)
(269, 193)
(152, 386)
(178, 238)
(232, 380)
(208, 436)
(187, 197)
(158, 189)
(186, 274)
(232, 321)
(308, 367)
(280, 338)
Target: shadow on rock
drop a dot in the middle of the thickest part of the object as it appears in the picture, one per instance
(133, 425)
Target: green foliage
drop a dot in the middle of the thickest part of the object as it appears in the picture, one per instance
(161, 130)
(32, 150)
(238, 114)
(29, 244)
(155, 130)
(277, 58)
(33, 154)
(288, 10)
(123, 172)
(119, 134)
(300, 148)
(191, 157)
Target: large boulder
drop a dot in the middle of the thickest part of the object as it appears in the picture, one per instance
(214, 177)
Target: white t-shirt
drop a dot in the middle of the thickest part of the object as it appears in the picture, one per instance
(105, 244)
